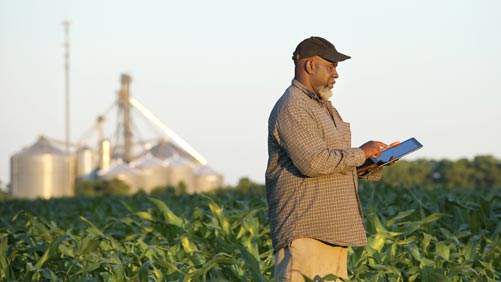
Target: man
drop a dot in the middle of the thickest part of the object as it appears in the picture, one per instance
(312, 178)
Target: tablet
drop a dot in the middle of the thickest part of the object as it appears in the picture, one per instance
(395, 153)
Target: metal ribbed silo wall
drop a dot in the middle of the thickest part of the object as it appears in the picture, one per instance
(207, 182)
(86, 162)
(42, 176)
(153, 177)
(177, 174)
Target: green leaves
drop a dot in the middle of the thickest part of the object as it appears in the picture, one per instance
(424, 234)
(169, 216)
(415, 234)
(53, 247)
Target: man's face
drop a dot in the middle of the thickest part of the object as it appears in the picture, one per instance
(323, 77)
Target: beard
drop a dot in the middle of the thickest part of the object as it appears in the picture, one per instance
(325, 92)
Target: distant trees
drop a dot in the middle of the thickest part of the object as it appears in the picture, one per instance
(481, 172)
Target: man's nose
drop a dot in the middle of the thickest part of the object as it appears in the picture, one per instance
(334, 74)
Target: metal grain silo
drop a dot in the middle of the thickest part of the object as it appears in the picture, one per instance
(153, 172)
(180, 170)
(124, 172)
(86, 162)
(207, 179)
(42, 170)
(104, 154)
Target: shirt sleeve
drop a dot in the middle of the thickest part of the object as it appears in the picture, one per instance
(373, 175)
(298, 132)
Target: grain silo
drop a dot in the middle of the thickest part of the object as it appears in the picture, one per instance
(179, 170)
(207, 179)
(104, 154)
(42, 170)
(153, 172)
(86, 162)
(123, 172)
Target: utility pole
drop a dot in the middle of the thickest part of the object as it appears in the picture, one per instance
(66, 24)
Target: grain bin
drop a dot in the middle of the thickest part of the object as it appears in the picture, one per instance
(123, 172)
(86, 162)
(42, 170)
(207, 179)
(180, 170)
(104, 154)
(153, 172)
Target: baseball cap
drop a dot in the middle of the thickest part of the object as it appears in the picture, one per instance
(318, 46)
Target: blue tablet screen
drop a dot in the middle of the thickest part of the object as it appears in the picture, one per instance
(406, 147)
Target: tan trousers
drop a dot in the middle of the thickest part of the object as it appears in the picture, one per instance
(312, 258)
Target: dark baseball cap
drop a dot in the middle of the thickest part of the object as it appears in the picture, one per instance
(318, 46)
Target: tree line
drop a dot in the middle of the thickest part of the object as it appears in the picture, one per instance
(480, 172)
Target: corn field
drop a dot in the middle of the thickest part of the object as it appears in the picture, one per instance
(415, 234)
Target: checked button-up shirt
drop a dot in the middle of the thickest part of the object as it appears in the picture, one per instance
(311, 177)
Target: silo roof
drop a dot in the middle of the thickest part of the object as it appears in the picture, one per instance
(42, 146)
(118, 168)
(205, 170)
(147, 160)
(177, 161)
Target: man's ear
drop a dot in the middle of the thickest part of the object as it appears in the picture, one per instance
(309, 66)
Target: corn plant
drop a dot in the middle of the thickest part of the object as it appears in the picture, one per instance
(414, 234)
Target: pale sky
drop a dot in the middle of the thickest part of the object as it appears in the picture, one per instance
(212, 71)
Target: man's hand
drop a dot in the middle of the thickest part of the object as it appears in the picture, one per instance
(394, 144)
(364, 170)
(373, 149)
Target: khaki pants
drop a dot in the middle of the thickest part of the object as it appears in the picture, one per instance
(312, 258)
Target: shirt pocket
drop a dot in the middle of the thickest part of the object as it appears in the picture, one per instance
(345, 132)
(336, 132)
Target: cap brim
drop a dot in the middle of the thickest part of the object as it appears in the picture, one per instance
(335, 57)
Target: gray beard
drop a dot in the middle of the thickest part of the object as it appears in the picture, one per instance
(325, 92)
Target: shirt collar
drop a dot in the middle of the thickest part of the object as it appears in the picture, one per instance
(305, 90)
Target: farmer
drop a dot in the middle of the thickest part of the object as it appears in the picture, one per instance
(311, 177)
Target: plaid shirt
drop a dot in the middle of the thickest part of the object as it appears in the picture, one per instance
(311, 178)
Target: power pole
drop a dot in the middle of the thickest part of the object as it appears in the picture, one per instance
(66, 24)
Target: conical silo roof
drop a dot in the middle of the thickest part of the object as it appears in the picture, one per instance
(147, 160)
(42, 146)
(177, 161)
(205, 170)
(118, 168)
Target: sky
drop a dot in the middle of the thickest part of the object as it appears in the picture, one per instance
(212, 70)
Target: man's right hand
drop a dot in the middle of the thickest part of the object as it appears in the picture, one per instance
(373, 149)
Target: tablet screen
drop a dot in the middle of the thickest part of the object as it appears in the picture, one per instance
(406, 147)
